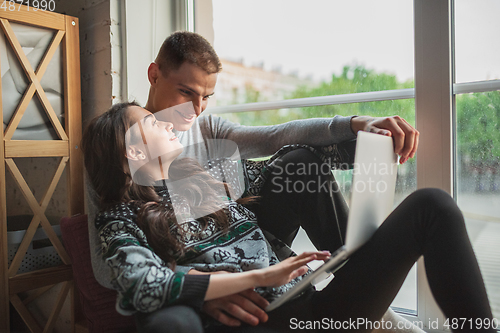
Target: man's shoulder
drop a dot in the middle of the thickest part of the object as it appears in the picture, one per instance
(209, 119)
(210, 125)
(216, 124)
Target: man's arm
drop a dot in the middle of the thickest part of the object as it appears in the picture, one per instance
(260, 141)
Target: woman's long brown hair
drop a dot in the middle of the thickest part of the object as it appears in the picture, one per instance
(104, 148)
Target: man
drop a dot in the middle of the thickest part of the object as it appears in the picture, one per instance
(185, 71)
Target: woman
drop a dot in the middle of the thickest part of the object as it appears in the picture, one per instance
(159, 256)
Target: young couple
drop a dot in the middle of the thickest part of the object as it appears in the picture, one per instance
(219, 271)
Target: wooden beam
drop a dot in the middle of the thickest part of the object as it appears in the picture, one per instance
(19, 112)
(28, 319)
(29, 92)
(47, 57)
(40, 278)
(37, 210)
(36, 148)
(49, 110)
(51, 50)
(63, 293)
(23, 247)
(32, 76)
(73, 112)
(28, 236)
(4, 264)
(39, 292)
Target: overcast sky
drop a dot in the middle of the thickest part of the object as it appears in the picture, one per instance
(319, 37)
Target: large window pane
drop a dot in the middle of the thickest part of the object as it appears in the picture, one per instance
(406, 300)
(476, 40)
(478, 164)
(272, 48)
(405, 108)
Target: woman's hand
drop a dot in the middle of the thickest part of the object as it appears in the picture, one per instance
(288, 269)
(221, 285)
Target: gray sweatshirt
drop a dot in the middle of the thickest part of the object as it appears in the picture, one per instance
(261, 141)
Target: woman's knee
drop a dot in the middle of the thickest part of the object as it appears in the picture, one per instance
(176, 319)
(437, 202)
(432, 197)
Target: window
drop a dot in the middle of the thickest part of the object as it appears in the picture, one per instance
(279, 60)
(454, 98)
(267, 55)
(476, 55)
(478, 180)
(477, 132)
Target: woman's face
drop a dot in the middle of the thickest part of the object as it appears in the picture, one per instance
(151, 138)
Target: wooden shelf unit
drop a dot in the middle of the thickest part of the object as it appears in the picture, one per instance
(66, 34)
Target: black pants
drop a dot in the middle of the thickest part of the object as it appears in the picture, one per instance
(428, 223)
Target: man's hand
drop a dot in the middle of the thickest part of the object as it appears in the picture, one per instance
(246, 306)
(404, 135)
(231, 310)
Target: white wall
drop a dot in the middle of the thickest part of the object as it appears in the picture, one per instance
(148, 23)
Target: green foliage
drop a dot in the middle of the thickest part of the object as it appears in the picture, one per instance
(478, 127)
(357, 80)
(352, 80)
(267, 117)
(478, 115)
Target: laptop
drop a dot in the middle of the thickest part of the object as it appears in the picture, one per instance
(372, 199)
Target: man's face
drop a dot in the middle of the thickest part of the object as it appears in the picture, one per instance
(189, 83)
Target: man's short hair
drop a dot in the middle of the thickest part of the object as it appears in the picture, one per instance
(184, 46)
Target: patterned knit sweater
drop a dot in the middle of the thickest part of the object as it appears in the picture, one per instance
(145, 283)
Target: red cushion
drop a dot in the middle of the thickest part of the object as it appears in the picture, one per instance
(98, 302)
